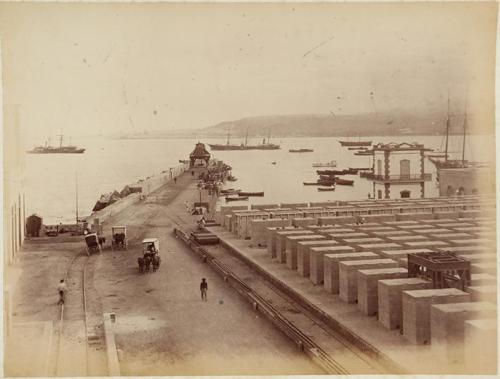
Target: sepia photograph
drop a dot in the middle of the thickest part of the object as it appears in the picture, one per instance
(227, 189)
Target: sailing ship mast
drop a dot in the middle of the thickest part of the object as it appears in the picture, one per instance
(447, 130)
(465, 132)
(228, 132)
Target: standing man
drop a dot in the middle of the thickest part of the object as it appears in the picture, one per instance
(203, 289)
(61, 288)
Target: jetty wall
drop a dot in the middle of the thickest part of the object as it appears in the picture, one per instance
(148, 186)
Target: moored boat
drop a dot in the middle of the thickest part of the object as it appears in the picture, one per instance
(229, 191)
(300, 150)
(322, 189)
(259, 194)
(364, 152)
(355, 143)
(61, 149)
(236, 198)
(344, 182)
(327, 164)
(357, 148)
(332, 172)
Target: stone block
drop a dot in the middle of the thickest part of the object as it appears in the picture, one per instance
(446, 215)
(379, 246)
(414, 216)
(394, 232)
(368, 286)
(271, 239)
(348, 281)
(483, 293)
(379, 217)
(258, 230)
(417, 311)
(390, 294)
(448, 328)
(479, 258)
(395, 254)
(484, 268)
(303, 222)
(481, 347)
(303, 253)
(402, 239)
(291, 247)
(428, 244)
(331, 267)
(483, 280)
(335, 220)
(316, 260)
(281, 241)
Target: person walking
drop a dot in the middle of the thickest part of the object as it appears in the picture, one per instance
(175, 180)
(203, 289)
(61, 288)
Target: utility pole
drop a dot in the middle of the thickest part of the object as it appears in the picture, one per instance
(465, 131)
(447, 129)
(76, 191)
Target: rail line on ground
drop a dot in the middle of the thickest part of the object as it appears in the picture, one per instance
(79, 271)
(323, 358)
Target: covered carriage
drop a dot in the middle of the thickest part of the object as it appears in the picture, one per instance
(119, 237)
(93, 243)
(151, 258)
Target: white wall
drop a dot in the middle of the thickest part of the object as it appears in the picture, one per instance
(395, 158)
(395, 190)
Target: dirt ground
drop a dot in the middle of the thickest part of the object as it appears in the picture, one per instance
(162, 326)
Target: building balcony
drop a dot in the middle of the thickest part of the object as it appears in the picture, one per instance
(414, 178)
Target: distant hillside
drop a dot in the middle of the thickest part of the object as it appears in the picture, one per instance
(321, 125)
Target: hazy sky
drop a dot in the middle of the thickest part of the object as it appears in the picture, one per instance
(110, 67)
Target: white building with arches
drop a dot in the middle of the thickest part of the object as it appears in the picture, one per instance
(399, 171)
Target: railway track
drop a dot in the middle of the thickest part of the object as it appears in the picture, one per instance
(323, 345)
(72, 352)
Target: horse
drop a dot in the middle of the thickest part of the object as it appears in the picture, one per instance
(140, 261)
(147, 263)
(156, 263)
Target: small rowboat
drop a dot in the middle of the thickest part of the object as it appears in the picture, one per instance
(311, 183)
(251, 194)
(229, 191)
(327, 164)
(301, 150)
(344, 182)
(236, 198)
(326, 188)
(363, 152)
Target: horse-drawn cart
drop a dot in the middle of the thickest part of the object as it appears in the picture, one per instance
(119, 239)
(151, 258)
(93, 243)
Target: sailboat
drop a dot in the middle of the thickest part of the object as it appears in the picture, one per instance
(48, 149)
(263, 146)
(355, 143)
(446, 162)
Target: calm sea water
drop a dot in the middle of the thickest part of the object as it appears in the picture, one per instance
(109, 165)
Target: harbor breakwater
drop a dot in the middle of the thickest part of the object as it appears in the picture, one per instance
(137, 190)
